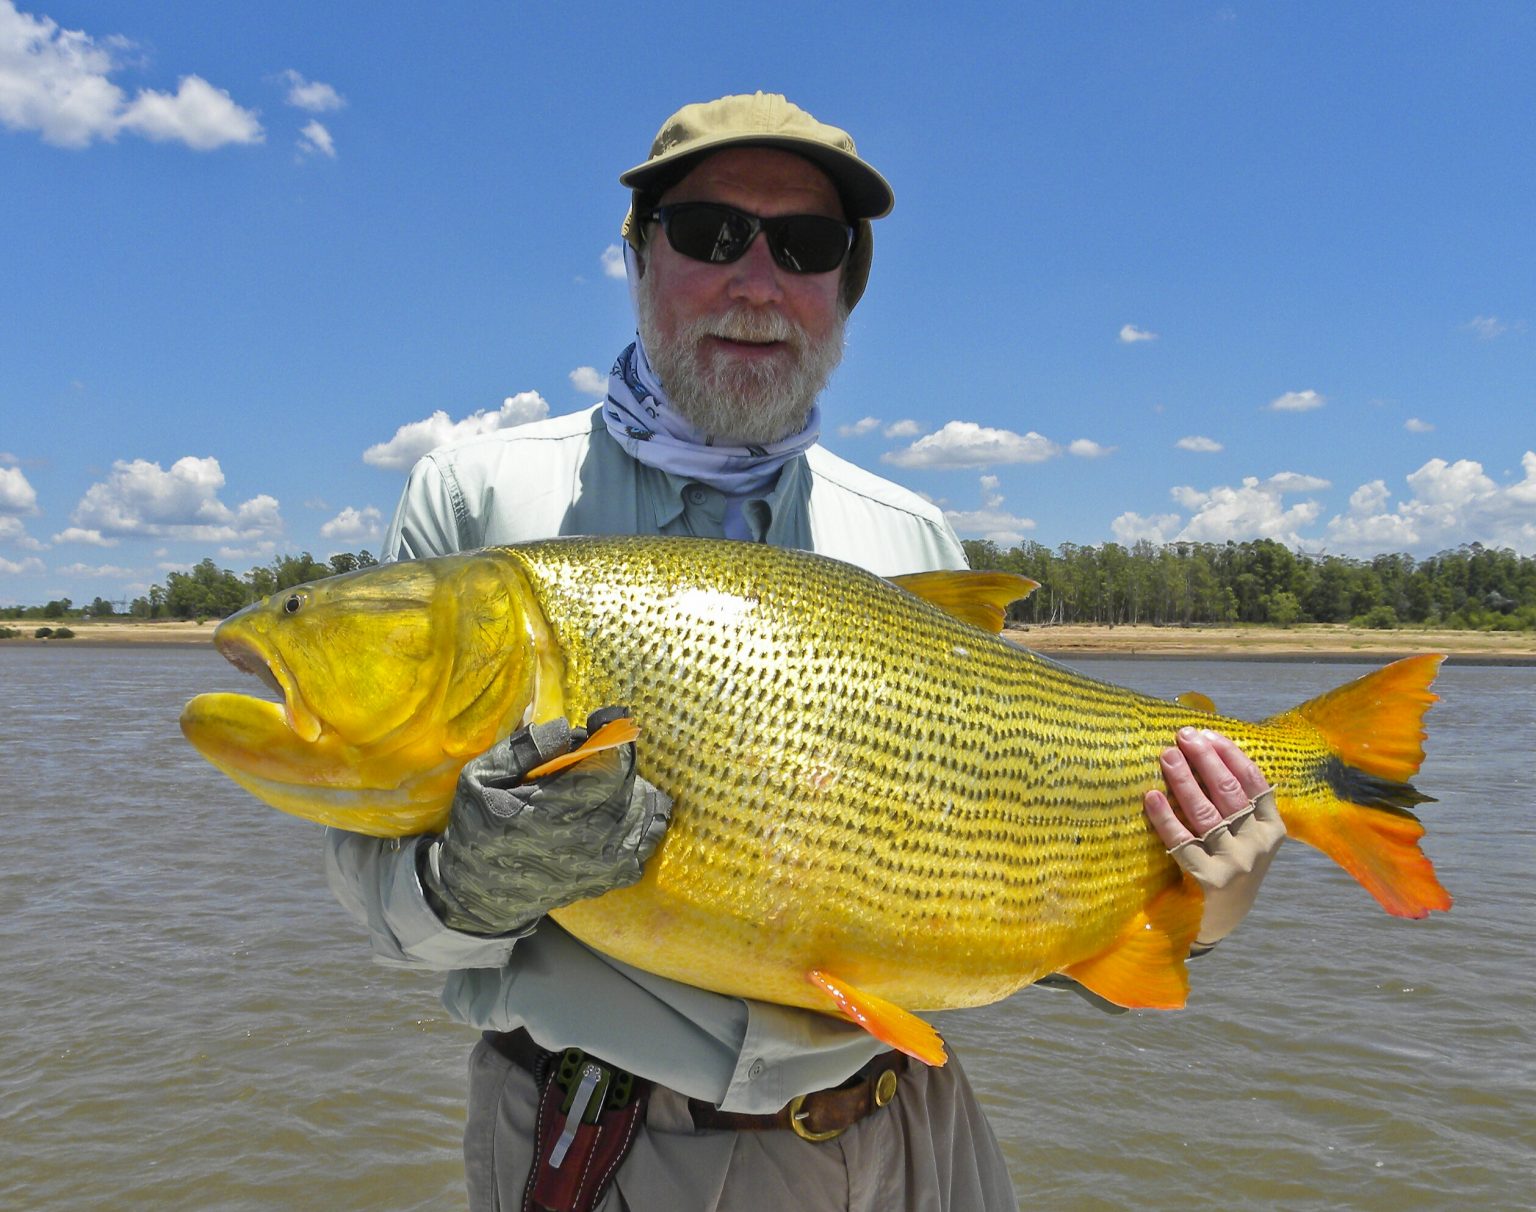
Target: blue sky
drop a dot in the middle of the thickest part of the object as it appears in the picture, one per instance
(1209, 271)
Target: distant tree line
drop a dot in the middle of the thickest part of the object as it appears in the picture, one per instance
(1182, 584)
(206, 592)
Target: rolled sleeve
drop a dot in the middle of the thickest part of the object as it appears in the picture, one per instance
(376, 882)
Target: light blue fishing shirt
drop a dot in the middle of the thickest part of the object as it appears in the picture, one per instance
(567, 476)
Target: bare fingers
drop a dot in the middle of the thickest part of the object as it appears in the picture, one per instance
(1209, 779)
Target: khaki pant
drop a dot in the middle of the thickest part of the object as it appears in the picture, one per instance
(931, 1150)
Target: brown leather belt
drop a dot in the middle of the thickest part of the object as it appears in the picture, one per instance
(820, 1115)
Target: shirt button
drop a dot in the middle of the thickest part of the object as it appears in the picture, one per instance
(755, 1069)
(695, 495)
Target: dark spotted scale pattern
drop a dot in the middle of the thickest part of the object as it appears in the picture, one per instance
(862, 783)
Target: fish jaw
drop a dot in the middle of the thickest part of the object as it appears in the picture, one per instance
(323, 780)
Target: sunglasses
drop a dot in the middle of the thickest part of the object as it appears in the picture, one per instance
(720, 234)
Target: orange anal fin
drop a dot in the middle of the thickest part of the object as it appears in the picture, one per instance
(1143, 969)
(978, 598)
(1379, 847)
(610, 736)
(886, 1021)
(1196, 701)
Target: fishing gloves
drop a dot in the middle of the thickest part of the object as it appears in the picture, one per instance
(1229, 863)
(512, 850)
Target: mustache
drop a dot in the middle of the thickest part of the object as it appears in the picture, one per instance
(747, 324)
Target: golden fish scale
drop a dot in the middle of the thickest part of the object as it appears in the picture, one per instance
(862, 783)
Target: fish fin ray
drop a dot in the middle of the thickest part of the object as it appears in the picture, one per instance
(1197, 701)
(1143, 969)
(1356, 811)
(886, 1021)
(610, 736)
(978, 598)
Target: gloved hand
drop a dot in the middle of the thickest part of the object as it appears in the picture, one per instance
(512, 850)
(1226, 830)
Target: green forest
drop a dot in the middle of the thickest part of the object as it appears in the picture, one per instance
(1175, 584)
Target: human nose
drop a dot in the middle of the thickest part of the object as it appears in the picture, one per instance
(755, 274)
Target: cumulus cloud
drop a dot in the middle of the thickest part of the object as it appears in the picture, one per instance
(1130, 334)
(859, 428)
(14, 532)
(415, 439)
(1447, 504)
(1294, 481)
(1297, 401)
(1254, 510)
(613, 262)
(350, 523)
(1086, 448)
(95, 570)
(57, 82)
(1414, 425)
(1130, 528)
(1486, 327)
(78, 534)
(991, 521)
(903, 429)
(966, 444)
(1200, 444)
(589, 381)
(315, 140)
(17, 496)
(18, 568)
(310, 95)
(142, 498)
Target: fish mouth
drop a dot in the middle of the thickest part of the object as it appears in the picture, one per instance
(276, 675)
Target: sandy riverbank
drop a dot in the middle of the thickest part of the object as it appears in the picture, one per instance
(1310, 641)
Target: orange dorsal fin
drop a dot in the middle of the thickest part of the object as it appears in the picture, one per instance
(1356, 810)
(1376, 722)
(1196, 701)
(1143, 969)
(886, 1021)
(610, 736)
(978, 598)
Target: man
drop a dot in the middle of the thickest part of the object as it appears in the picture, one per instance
(748, 243)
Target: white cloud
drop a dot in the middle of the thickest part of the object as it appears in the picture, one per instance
(142, 498)
(95, 570)
(613, 262)
(55, 81)
(76, 534)
(350, 523)
(589, 381)
(1130, 334)
(312, 95)
(1200, 444)
(1294, 481)
(1414, 425)
(966, 444)
(1085, 448)
(315, 140)
(1486, 327)
(17, 496)
(903, 429)
(415, 439)
(991, 521)
(1449, 504)
(859, 428)
(13, 531)
(1131, 528)
(1297, 401)
(1255, 510)
(14, 568)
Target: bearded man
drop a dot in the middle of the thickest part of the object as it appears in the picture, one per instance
(748, 243)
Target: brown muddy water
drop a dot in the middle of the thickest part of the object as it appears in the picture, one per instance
(189, 1021)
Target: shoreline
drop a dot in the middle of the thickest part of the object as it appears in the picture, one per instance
(1310, 641)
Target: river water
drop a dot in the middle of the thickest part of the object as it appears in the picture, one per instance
(189, 1021)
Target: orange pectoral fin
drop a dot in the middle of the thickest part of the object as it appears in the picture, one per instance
(1143, 969)
(610, 736)
(887, 1022)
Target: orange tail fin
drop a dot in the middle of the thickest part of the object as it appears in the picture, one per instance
(1355, 809)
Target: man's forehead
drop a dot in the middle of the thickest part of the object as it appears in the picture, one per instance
(759, 171)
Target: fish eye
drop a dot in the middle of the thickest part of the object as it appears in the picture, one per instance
(293, 603)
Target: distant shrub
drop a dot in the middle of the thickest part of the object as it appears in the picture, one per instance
(42, 633)
(63, 633)
(9, 633)
(1379, 618)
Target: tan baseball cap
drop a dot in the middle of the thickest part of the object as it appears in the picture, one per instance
(763, 120)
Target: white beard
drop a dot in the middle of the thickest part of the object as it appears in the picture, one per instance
(734, 401)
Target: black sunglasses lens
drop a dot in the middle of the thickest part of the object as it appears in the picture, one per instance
(808, 244)
(707, 233)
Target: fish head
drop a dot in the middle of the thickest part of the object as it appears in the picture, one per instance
(389, 679)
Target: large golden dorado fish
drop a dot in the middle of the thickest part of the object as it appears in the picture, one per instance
(879, 805)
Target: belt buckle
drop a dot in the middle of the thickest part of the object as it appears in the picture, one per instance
(797, 1115)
